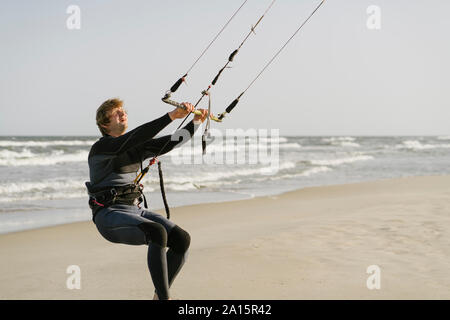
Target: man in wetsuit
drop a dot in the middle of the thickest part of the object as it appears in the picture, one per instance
(114, 161)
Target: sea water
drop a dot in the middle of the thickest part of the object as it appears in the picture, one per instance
(42, 178)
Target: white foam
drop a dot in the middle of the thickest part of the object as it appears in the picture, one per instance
(220, 148)
(8, 154)
(251, 139)
(417, 145)
(180, 187)
(242, 138)
(286, 146)
(315, 170)
(44, 196)
(348, 144)
(306, 173)
(339, 139)
(273, 139)
(44, 189)
(13, 143)
(342, 141)
(30, 186)
(339, 161)
(200, 177)
(58, 156)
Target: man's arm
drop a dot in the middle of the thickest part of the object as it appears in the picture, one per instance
(162, 145)
(136, 137)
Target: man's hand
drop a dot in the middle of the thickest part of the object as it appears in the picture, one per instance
(202, 117)
(178, 113)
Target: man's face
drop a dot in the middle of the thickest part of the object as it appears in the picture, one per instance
(118, 122)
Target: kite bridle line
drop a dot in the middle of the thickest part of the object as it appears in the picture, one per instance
(206, 92)
(235, 101)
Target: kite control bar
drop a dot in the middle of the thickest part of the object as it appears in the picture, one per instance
(167, 100)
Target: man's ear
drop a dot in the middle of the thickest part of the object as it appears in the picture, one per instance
(105, 128)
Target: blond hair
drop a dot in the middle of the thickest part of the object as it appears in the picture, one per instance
(104, 111)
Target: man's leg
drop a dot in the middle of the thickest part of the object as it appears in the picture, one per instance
(124, 224)
(178, 242)
(156, 256)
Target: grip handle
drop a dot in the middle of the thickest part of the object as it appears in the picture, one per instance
(177, 84)
(179, 105)
(234, 103)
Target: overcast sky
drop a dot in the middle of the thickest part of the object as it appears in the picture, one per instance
(337, 76)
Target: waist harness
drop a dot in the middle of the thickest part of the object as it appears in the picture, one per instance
(131, 194)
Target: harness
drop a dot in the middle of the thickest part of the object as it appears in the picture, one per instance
(131, 194)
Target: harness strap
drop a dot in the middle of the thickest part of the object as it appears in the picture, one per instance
(141, 175)
(115, 195)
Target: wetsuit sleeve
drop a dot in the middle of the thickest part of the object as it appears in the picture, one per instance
(166, 143)
(138, 136)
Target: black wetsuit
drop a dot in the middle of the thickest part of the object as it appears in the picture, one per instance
(115, 161)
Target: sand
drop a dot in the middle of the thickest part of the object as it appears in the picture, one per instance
(313, 243)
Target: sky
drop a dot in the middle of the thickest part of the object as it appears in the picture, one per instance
(349, 71)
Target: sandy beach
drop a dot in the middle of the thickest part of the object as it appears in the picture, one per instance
(313, 243)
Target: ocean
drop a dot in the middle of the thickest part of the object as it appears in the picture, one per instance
(42, 179)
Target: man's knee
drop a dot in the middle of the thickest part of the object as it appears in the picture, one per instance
(179, 240)
(154, 232)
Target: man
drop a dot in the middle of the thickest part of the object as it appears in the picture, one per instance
(114, 161)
